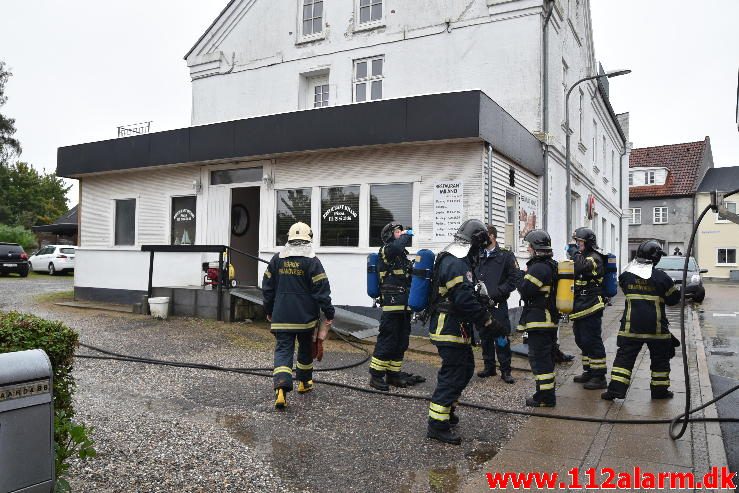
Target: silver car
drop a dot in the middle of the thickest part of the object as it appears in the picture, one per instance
(673, 267)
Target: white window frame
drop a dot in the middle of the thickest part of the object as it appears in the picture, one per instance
(719, 264)
(666, 215)
(313, 36)
(634, 212)
(371, 24)
(136, 231)
(718, 220)
(650, 177)
(369, 79)
(631, 178)
(580, 124)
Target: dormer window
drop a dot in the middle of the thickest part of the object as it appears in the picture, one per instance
(649, 178)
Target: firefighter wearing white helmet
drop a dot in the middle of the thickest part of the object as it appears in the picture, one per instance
(296, 290)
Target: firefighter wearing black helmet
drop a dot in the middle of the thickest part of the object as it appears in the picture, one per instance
(455, 308)
(587, 313)
(393, 268)
(539, 316)
(647, 292)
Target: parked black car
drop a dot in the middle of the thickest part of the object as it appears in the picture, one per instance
(13, 259)
(673, 267)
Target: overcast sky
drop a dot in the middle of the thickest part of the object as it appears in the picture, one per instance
(83, 67)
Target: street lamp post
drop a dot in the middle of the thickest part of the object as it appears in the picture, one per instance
(568, 198)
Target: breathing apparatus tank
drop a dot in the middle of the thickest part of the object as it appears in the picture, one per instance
(422, 274)
(565, 286)
(373, 277)
(610, 279)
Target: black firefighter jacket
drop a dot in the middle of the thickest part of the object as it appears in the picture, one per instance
(644, 316)
(589, 271)
(536, 289)
(393, 268)
(295, 290)
(459, 308)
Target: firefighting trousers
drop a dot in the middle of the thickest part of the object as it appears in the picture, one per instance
(282, 375)
(541, 359)
(392, 343)
(500, 344)
(588, 338)
(457, 368)
(660, 352)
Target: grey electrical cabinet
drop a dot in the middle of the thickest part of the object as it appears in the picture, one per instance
(26, 423)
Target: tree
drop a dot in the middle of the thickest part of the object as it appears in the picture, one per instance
(29, 198)
(8, 145)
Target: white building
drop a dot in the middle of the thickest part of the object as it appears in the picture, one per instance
(278, 131)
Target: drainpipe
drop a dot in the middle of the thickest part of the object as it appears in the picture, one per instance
(549, 5)
(621, 204)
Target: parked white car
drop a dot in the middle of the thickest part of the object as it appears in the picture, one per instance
(54, 259)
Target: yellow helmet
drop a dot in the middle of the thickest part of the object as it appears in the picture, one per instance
(300, 231)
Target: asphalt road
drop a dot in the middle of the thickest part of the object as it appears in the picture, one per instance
(720, 327)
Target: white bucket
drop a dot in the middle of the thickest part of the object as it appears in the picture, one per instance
(159, 307)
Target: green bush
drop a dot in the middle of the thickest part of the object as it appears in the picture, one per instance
(18, 234)
(19, 332)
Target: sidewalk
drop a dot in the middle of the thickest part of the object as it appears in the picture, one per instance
(547, 445)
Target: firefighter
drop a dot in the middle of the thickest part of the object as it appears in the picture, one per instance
(393, 269)
(539, 316)
(499, 271)
(295, 289)
(647, 292)
(455, 307)
(587, 313)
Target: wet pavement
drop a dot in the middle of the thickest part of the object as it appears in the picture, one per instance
(179, 429)
(719, 320)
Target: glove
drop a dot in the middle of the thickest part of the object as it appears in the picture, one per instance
(409, 232)
(319, 335)
(572, 250)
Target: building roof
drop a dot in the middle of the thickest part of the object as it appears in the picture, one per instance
(463, 115)
(682, 162)
(723, 179)
(65, 224)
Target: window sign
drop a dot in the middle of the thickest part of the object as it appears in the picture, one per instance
(448, 209)
(527, 219)
(183, 220)
(340, 216)
(292, 206)
(389, 204)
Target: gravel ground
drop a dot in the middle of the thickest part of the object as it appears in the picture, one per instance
(173, 429)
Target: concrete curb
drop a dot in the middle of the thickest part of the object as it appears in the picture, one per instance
(714, 436)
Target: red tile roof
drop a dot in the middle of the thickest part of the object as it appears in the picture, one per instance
(682, 162)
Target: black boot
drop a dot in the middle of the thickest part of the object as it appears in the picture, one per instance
(609, 395)
(489, 371)
(596, 383)
(453, 418)
(411, 379)
(531, 402)
(506, 376)
(446, 436)
(396, 381)
(583, 377)
(378, 383)
(560, 357)
(662, 394)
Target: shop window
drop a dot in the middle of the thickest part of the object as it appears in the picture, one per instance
(183, 220)
(125, 222)
(340, 216)
(389, 203)
(292, 206)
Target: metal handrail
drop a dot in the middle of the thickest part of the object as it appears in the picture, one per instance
(219, 249)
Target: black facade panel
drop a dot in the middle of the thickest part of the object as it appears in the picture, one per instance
(459, 115)
(209, 142)
(170, 147)
(131, 152)
(443, 116)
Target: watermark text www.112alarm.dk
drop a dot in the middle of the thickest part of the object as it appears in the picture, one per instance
(717, 478)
